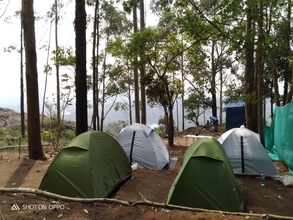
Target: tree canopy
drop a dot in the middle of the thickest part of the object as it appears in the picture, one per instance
(205, 53)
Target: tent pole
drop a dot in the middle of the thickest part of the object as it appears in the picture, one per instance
(131, 148)
(242, 154)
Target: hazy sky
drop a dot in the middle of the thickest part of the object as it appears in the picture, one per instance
(10, 62)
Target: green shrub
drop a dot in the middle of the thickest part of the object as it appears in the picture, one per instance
(68, 135)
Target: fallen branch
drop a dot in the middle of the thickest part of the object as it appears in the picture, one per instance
(21, 146)
(183, 208)
(144, 201)
(63, 198)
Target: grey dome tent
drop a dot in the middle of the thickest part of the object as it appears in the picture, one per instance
(144, 146)
(246, 153)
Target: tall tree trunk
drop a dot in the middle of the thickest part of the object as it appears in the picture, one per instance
(166, 119)
(264, 111)
(171, 125)
(103, 101)
(142, 69)
(213, 83)
(275, 83)
(285, 90)
(95, 52)
(57, 64)
(221, 94)
(33, 113)
(220, 61)
(80, 77)
(135, 71)
(259, 71)
(21, 82)
(249, 68)
(129, 101)
(288, 37)
(183, 92)
(290, 93)
(272, 104)
(46, 77)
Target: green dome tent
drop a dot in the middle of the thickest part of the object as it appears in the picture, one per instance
(93, 165)
(206, 179)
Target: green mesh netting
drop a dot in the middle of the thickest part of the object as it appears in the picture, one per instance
(279, 136)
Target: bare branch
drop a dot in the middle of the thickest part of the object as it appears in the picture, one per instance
(5, 9)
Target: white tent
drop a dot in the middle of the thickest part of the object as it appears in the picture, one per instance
(246, 153)
(144, 146)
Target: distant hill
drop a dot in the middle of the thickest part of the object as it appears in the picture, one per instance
(9, 118)
(12, 119)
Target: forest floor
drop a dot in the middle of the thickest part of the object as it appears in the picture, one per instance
(16, 170)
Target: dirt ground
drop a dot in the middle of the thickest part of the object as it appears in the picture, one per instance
(273, 199)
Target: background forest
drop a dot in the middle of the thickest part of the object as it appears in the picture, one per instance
(204, 53)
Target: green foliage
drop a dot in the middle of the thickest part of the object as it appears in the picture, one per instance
(52, 133)
(50, 136)
(233, 92)
(47, 69)
(159, 49)
(123, 106)
(90, 2)
(161, 128)
(114, 128)
(68, 135)
(64, 57)
(11, 137)
(11, 49)
(54, 128)
(195, 106)
(113, 75)
(2, 132)
(162, 121)
(129, 4)
(46, 136)
(116, 22)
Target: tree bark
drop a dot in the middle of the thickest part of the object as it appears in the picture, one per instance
(103, 100)
(260, 70)
(171, 125)
(80, 77)
(33, 112)
(95, 52)
(57, 65)
(249, 69)
(275, 83)
(135, 71)
(183, 93)
(213, 82)
(288, 36)
(142, 69)
(21, 82)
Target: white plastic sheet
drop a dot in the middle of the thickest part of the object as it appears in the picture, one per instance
(287, 180)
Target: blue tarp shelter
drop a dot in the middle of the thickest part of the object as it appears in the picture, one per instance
(235, 114)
